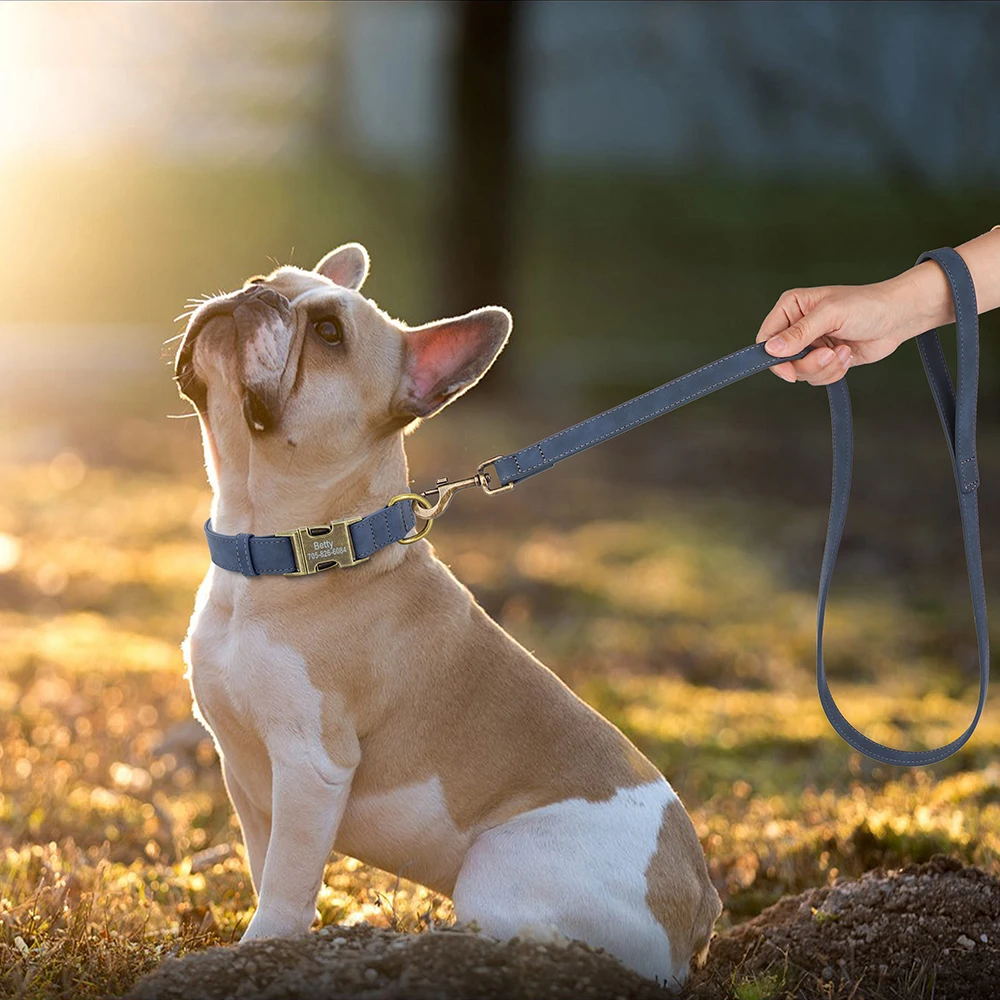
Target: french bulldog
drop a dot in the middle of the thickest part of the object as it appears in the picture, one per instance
(377, 710)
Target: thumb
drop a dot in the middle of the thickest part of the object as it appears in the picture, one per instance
(799, 335)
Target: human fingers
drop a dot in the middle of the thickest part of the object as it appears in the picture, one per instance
(785, 371)
(808, 328)
(790, 308)
(823, 365)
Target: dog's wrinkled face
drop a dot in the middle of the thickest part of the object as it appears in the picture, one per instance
(303, 358)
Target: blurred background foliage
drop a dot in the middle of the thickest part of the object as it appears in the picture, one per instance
(638, 182)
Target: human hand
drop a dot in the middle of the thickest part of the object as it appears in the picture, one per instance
(859, 324)
(855, 324)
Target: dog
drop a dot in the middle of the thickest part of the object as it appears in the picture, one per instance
(378, 710)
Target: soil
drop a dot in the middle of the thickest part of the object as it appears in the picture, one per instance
(927, 932)
(377, 964)
(924, 932)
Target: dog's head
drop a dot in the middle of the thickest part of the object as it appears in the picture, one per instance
(301, 358)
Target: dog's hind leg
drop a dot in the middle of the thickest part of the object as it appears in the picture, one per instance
(578, 868)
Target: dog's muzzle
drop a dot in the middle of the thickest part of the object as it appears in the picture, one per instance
(249, 307)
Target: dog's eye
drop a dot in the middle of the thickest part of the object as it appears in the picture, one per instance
(329, 330)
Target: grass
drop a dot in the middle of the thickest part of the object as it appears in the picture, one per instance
(117, 843)
(761, 987)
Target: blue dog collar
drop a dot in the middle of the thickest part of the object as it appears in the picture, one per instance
(312, 549)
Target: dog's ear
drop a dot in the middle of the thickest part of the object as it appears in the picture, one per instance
(442, 360)
(346, 266)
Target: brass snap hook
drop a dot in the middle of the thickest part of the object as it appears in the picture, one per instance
(445, 491)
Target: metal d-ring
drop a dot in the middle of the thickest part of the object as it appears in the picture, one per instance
(426, 504)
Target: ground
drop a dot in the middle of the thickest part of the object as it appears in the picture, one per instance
(921, 932)
(371, 963)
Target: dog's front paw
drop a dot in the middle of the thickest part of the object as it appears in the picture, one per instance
(276, 925)
(543, 934)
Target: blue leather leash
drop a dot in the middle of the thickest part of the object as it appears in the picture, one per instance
(958, 419)
(308, 550)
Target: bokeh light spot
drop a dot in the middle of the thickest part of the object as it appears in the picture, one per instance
(10, 552)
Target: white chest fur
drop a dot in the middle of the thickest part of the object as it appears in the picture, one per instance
(253, 692)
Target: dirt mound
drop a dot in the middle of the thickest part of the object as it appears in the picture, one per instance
(375, 964)
(925, 931)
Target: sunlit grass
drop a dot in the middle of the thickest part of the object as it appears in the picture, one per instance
(117, 842)
(762, 987)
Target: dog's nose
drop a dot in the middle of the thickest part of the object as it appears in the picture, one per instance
(263, 295)
(257, 294)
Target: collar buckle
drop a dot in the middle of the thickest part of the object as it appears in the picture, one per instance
(321, 547)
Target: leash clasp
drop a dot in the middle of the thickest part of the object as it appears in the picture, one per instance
(446, 490)
(321, 547)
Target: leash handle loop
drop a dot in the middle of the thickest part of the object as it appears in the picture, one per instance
(957, 411)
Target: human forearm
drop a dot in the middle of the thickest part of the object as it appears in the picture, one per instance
(921, 296)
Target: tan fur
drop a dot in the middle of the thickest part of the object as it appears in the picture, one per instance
(682, 897)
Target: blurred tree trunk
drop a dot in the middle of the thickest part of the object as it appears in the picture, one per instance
(480, 176)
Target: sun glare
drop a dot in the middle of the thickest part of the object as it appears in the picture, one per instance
(18, 87)
(176, 78)
(62, 74)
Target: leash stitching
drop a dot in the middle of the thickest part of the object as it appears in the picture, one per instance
(650, 416)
